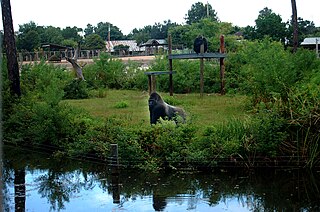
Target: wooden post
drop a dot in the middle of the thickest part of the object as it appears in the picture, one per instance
(114, 155)
(153, 83)
(115, 173)
(201, 70)
(222, 67)
(170, 65)
(149, 84)
(317, 47)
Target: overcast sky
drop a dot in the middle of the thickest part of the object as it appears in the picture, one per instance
(130, 14)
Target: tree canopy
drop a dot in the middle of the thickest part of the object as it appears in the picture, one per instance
(94, 41)
(200, 19)
(199, 11)
(270, 24)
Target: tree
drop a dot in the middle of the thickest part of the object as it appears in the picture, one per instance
(157, 31)
(71, 33)
(10, 46)
(88, 30)
(94, 41)
(52, 35)
(199, 11)
(270, 24)
(28, 41)
(249, 33)
(102, 29)
(295, 25)
(305, 28)
(29, 37)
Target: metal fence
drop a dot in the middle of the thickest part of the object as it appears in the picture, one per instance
(56, 55)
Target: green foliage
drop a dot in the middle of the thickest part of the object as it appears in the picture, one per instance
(268, 131)
(94, 41)
(102, 30)
(198, 11)
(210, 29)
(108, 72)
(37, 77)
(135, 77)
(270, 24)
(122, 104)
(265, 70)
(76, 89)
(221, 141)
(302, 112)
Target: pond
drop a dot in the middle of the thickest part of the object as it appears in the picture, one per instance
(37, 182)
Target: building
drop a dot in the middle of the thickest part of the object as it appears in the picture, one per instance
(132, 44)
(153, 46)
(312, 43)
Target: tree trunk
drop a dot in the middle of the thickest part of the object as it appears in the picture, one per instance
(10, 47)
(295, 25)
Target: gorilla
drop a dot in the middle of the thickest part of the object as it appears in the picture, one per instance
(198, 42)
(158, 108)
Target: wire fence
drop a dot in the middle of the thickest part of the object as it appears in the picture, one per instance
(279, 162)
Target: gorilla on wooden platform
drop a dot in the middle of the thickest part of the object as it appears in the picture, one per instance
(158, 108)
(200, 40)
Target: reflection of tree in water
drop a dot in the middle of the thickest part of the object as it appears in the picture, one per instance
(8, 176)
(58, 187)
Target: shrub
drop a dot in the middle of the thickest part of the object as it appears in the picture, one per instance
(37, 77)
(76, 89)
(122, 104)
(105, 72)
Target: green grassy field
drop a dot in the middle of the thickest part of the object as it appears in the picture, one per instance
(132, 106)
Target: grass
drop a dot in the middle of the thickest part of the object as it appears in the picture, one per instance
(208, 110)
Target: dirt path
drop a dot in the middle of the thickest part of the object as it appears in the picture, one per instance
(142, 59)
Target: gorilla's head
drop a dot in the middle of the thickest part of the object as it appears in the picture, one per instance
(154, 99)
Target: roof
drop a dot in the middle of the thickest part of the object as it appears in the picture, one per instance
(311, 41)
(155, 42)
(133, 46)
(53, 47)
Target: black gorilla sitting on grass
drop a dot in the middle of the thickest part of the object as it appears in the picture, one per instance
(158, 108)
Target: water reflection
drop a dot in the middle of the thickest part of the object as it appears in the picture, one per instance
(34, 182)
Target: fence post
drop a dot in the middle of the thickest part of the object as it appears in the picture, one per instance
(114, 155)
(201, 70)
(222, 67)
(170, 65)
(115, 173)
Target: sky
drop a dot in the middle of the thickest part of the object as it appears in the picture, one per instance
(130, 14)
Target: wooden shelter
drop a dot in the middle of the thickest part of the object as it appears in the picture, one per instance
(152, 46)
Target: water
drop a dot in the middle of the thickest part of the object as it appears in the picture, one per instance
(36, 182)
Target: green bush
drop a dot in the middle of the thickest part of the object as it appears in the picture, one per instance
(105, 72)
(76, 89)
(35, 78)
(135, 77)
(265, 70)
(122, 104)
